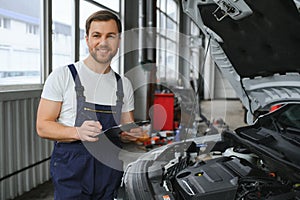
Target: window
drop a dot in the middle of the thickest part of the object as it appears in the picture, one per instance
(20, 37)
(4, 23)
(19, 42)
(62, 39)
(32, 29)
(111, 4)
(167, 40)
(196, 46)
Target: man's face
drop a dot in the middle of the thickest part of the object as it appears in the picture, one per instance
(103, 40)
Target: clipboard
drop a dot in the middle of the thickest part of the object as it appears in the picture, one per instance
(115, 131)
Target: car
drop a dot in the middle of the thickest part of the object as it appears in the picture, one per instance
(256, 46)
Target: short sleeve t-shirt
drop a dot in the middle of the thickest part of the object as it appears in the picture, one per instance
(98, 89)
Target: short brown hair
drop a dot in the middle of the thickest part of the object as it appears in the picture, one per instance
(102, 15)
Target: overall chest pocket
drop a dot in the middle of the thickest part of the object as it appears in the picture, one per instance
(102, 113)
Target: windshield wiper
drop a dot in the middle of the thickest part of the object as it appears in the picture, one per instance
(291, 138)
(293, 130)
(290, 134)
(277, 125)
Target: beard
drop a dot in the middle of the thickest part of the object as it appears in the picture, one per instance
(104, 57)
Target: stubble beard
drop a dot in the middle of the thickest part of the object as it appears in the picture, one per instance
(102, 60)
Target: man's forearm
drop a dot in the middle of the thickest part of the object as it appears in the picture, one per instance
(56, 131)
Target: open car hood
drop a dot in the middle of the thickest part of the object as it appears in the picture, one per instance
(256, 45)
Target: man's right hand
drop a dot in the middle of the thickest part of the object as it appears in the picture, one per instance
(89, 131)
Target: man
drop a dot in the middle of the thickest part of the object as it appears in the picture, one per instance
(78, 102)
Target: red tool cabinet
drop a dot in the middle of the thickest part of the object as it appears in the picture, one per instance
(163, 111)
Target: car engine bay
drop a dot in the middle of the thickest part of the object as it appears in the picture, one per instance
(252, 162)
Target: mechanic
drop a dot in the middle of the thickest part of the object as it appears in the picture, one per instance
(78, 103)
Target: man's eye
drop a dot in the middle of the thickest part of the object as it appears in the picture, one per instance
(112, 36)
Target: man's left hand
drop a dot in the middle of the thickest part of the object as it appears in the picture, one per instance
(135, 135)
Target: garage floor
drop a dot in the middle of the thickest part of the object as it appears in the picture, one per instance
(230, 111)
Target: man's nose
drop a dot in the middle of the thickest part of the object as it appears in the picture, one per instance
(103, 40)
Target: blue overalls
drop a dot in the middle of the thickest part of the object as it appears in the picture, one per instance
(89, 170)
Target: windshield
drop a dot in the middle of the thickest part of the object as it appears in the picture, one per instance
(290, 118)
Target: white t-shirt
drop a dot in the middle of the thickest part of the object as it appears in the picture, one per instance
(98, 89)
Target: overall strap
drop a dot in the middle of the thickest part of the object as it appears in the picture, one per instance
(78, 86)
(120, 95)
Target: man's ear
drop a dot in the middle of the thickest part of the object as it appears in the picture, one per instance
(119, 42)
(86, 39)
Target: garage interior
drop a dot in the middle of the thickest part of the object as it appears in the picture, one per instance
(177, 83)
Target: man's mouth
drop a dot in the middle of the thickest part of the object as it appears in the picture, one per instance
(103, 50)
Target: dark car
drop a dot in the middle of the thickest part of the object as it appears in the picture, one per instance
(256, 46)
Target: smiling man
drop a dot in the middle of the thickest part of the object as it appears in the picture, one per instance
(78, 102)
